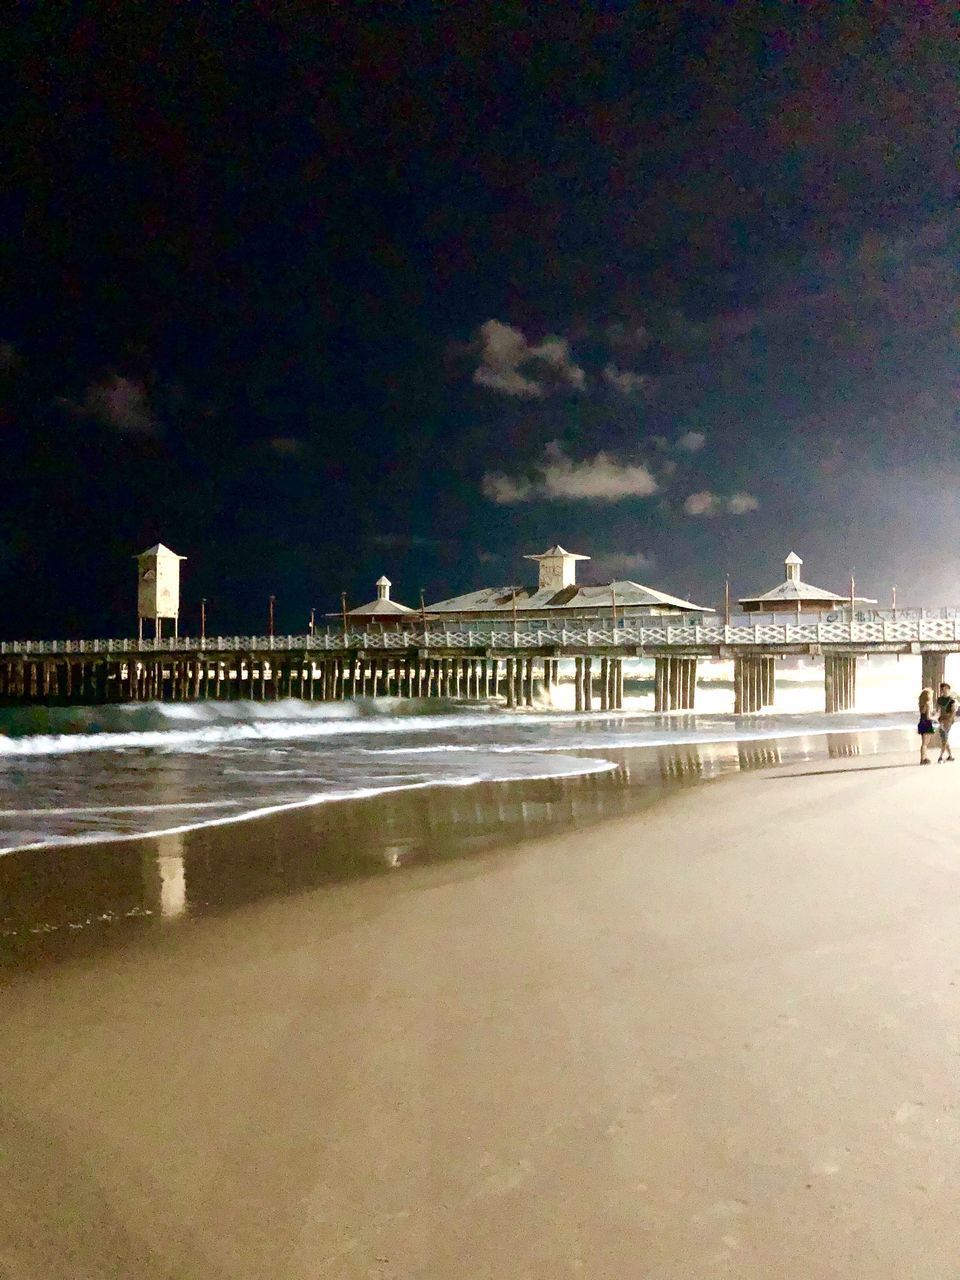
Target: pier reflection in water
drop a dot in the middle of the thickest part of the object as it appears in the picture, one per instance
(61, 902)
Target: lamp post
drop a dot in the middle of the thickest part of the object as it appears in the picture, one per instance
(203, 618)
(270, 604)
(726, 601)
(312, 624)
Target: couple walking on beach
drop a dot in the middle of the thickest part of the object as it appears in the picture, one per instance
(945, 710)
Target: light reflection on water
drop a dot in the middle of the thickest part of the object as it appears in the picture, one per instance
(57, 902)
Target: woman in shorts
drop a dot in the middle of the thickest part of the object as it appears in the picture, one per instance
(925, 726)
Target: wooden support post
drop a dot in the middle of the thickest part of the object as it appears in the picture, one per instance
(588, 684)
(662, 678)
(604, 684)
(511, 683)
(578, 683)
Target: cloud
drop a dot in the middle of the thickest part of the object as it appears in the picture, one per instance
(702, 504)
(628, 381)
(117, 402)
(504, 490)
(601, 478)
(511, 365)
(706, 503)
(692, 442)
(740, 503)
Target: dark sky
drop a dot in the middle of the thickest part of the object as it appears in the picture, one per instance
(315, 292)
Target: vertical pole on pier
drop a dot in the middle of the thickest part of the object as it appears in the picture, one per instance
(578, 683)
(588, 684)
(604, 684)
(829, 692)
(738, 685)
(528, 682)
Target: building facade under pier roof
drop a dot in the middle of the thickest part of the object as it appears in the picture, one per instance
(796, 596)
(558, 595)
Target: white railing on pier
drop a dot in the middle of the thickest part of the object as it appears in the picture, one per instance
(479, 636)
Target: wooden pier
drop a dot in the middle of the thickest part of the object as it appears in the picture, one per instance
(479, 662)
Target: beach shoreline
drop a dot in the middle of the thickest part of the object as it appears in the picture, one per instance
(59, 900)
(713, 1037)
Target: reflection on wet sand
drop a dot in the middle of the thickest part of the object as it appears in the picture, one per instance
(60, 902)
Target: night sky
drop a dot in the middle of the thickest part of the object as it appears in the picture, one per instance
(316, 292)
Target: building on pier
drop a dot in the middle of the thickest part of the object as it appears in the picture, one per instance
(796, 596)
(383, 609)
(158, 588)
(558, 596)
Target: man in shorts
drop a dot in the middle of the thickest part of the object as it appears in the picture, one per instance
(946, 713)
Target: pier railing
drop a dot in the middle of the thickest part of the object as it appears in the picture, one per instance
(479, 636)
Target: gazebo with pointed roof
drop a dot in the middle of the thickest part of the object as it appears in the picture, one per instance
(383, 609)
(793, 595)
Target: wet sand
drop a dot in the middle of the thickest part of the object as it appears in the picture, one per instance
(716, 1036)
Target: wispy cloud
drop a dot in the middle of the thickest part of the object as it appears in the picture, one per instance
(706, 503)
(559, 477)
(628, 381)
(513, 366)
(692, 442)
(739, 504)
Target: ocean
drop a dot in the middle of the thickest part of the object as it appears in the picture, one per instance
(76, 775)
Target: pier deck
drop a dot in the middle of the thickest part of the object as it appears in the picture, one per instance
(476, 661)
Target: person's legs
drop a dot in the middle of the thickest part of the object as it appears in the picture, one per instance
(925, 739)
(945, 751)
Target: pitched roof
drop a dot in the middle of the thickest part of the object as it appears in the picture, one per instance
(557, 550)
(500, 599)
(378, 608)
(797, 591)
(159, 550)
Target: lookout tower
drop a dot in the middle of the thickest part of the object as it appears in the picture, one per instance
(557, 568)
(158, 587)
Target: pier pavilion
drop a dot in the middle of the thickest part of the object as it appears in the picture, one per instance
(383, 609)
(795, 596)
(558, 596)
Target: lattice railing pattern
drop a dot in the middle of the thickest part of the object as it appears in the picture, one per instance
(580, 635)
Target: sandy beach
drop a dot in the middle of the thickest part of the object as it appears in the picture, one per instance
(713, 1037)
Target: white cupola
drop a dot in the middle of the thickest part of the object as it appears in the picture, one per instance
(792, 567)
(557, 568)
